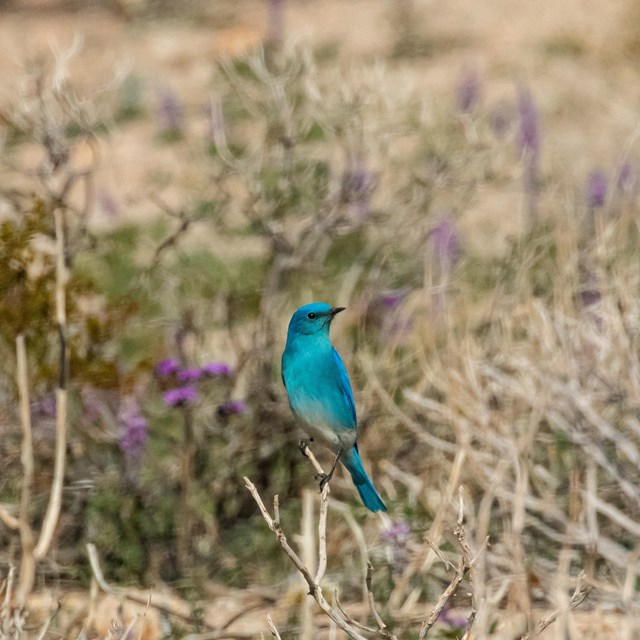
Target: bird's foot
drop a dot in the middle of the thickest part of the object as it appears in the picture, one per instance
(303, 445)
(324, 479)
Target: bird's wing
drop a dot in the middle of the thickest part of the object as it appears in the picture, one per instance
(345, 386)
(282, 368)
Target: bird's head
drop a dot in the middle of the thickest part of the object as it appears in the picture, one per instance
(313, 319)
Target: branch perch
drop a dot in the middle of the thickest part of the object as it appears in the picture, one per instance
(315, 591)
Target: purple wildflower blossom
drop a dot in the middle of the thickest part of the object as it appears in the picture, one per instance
(356, 189)
(180, 396)
(529, 145)
(392, 298)
(590, 293)
(167, 367)
(596, 189)
(216, 369)
(468, 89)
(93, 402)
(529, 126)
(396, 537)
(231, 407)
(108, 203)
(189, 375)
(275, 17)
(133, 428)
(627, 179)
(170, 111)
(453, 621)
(385, 314)
(45, 406)
(396, 532)
(446, 244)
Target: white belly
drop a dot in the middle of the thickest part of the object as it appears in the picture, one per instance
(335, 439)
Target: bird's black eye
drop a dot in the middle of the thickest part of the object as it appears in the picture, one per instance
(311, 315)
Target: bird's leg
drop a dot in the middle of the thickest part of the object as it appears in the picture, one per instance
(303, 445)
(325, 477)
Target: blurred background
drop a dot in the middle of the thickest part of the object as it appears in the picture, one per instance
(177, 178)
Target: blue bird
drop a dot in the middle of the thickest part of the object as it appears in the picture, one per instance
(320, 393)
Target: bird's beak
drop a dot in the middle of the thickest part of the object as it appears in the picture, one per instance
(335, 311)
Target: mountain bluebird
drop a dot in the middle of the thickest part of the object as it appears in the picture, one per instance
(320, 394)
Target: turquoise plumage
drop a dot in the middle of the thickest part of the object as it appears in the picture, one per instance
(320, 393)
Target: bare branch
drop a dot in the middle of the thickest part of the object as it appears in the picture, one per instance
(322, 533)
(55, 498)
(10, 521)
(579, 595)
(28, 564)
(466, 562)
(272, 628)
(355, 623)
(315, 590)
(382, 627)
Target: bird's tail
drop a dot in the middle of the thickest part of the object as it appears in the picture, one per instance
(368, 494)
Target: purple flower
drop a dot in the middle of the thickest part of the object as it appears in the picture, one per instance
(93, 402)
(170, 111)
(396, 537)
(396, 532)
(215, 369)
(590, 293)
(189, 375)
(446, 244)
(180, 396)
(108, 203)
(596, 189)
(133, 428)
(529, 126)
(275, 29)
(453, 621)
(529, 145)
(468, 89)
(626, 179)
(357, 187)
(384, 312)
(231, 407)
(392, 298)
(167, 367)
(45, 406)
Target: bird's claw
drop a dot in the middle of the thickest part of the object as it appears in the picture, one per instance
(303, 445)
(324, 479)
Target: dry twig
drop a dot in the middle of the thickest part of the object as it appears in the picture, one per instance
(28, 563)
(466, 562)
(581, 592)
(132, 597)
(315, 591)
(55, 498)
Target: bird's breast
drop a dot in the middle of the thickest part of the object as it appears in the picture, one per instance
(316, 396)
